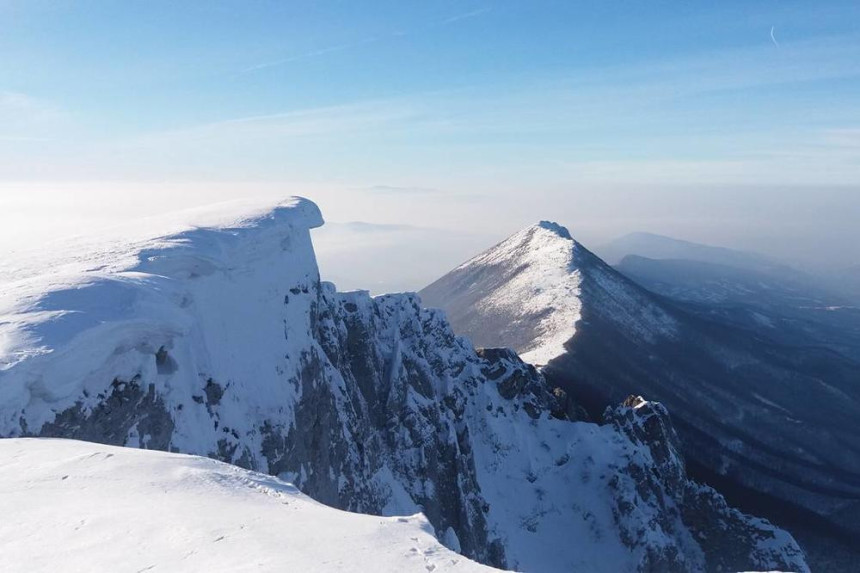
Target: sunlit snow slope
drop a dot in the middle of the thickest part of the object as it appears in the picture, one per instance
(77, 506)
(526, 293)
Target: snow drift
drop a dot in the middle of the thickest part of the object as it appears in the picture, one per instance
(79, 506)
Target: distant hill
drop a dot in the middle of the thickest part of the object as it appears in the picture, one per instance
(655, 246)
(785, 307)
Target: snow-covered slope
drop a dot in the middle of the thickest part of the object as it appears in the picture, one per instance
(79, 506)
(526, 293)
(221, 341)
(530, 276)
(778, 420)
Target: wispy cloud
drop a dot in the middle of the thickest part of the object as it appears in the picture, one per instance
(20, 107)
(329, 120)
(817, 161)
(367, 227)
(396, 190)
(23, 139)
(844, 138)
(346, 46)
(24, 118)
(466, 15)
(312, 54)
(631, 117)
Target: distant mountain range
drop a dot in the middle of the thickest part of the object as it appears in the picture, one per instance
(840, 284)
(655, 246)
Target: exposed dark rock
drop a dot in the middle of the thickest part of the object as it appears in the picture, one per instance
(213, 392)
(111, 420)
(164, 363)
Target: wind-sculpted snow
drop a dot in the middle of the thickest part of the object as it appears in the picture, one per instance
(223, 342)
(191, 306)
(83, 507)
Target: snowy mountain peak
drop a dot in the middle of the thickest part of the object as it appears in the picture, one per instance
(555, 228)
(528, 293)
(546, 244)
(531, 278)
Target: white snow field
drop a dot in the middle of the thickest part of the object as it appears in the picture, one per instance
(77, 506)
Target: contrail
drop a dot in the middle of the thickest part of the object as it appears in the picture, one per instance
(772, 38)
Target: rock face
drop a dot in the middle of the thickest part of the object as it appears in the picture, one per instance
(726, 537)
(780, 421)
(223, 342)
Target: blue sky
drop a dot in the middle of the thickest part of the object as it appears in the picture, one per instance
(728, 122)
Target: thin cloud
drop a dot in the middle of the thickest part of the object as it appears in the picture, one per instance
(395, 190)
(20, 106)
(25, 119)
(330, 120)
(311, 54)
(368, 227)
(23, 139)
(773, 38)
(466, 15)
(845, 138)
(370, 40)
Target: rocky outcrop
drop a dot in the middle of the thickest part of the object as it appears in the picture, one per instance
(727, 538)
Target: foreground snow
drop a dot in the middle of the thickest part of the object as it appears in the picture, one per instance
(78, 506)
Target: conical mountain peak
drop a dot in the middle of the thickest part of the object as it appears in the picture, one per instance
(559, 230)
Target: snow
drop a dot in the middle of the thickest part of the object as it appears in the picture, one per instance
(531, 291)
(205, 295)
(555, 505)
(78, 506)
(545, 285)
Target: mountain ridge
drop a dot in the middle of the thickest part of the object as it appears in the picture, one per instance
(224, 342)
(656, 246)
(748, 409)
